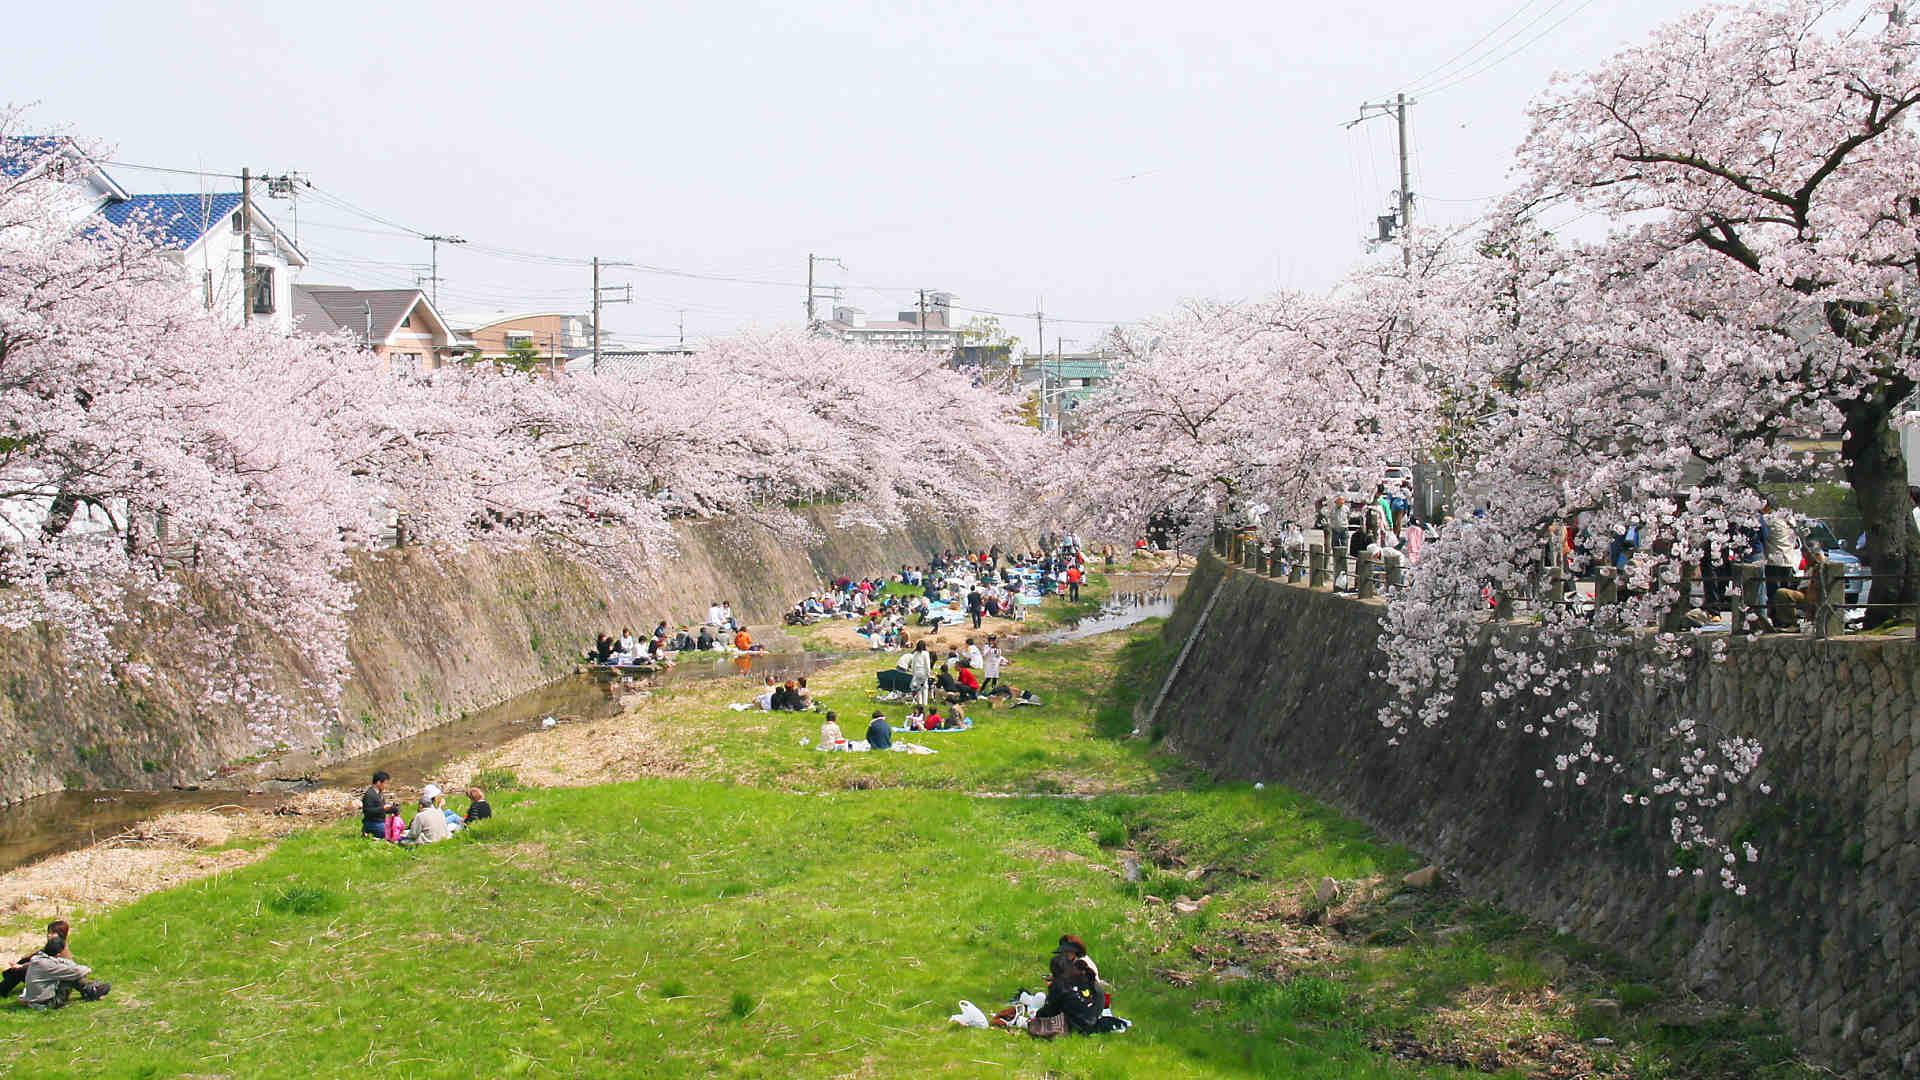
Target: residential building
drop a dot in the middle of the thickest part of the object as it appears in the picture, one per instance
(399, 326)
(554, 336)
(203, 232)
(932, 331)
(632, 361)
(1063, 382)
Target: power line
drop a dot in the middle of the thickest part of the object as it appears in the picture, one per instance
(1477, 42)
(1523, 47)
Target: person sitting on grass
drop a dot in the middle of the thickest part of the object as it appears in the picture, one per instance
(831, 737)
(969, 682)
(802, 694)
(478, 808)
(373, 807)
(396, 826)
(429, 825)
(879, 732)
(786, 698)
(53, 976)
(57, 932)
(744, 642)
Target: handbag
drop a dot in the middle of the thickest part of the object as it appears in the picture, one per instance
(1047, 1027)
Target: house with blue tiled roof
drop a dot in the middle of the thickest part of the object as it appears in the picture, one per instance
(203, 231)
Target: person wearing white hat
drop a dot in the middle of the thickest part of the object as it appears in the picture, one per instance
(430, 824)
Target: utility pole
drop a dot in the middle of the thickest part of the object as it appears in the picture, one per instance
(599, 298)
(1397, 109)
(683, 328)
(923, 320)
(1406, 188)
(246, 245)
(811, 291)
(433, 275)
(1040, 331)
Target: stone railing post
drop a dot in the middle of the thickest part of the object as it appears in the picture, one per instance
(1502, 605)
(1363, 582)
(1676, 617)
(1296, 571)
(1606, 586)
(1829, 618)
(1744, 597)
(1317, 568)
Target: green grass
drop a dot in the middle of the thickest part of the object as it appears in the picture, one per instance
(806, 914)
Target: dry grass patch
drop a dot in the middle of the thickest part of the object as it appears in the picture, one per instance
(159, 854)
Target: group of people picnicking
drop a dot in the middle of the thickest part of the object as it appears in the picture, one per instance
(49, 977)
(1075, 1001)
(382, 818)
(721, 631)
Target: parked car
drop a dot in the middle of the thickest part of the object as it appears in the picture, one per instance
(1856, 581)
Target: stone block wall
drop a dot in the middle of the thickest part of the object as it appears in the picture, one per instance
(433, 634)
(1278, 687)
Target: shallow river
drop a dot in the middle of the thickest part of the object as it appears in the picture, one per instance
(50, 824)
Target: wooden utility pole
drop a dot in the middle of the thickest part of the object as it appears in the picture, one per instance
(246, 245)
(923, 320)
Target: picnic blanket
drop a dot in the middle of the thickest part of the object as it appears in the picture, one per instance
(860, 746)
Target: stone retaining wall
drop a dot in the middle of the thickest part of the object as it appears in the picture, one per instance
(1277, 687)
(433, 635)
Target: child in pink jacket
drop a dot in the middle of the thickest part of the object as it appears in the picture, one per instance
(396, 828)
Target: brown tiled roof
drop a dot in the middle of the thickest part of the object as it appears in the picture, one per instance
(329, 309)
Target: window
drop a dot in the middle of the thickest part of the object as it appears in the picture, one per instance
(262, 290)
(406, 322)
(238, 225)
(519, 337)
(405, 365)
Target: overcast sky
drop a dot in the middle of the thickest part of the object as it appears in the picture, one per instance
(1113, 159)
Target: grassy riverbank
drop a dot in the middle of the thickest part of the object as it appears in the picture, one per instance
(773, 911)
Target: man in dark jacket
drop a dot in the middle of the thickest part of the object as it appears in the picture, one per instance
(373, 807)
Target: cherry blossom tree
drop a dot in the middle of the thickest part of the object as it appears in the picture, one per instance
(151, 458)
(1276, 403)
(1756, 171)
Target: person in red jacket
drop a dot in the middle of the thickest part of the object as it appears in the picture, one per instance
(969, 681)
(1074, 574)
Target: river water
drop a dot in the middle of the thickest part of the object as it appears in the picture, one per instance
(41, 827)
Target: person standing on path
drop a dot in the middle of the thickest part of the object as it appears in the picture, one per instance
(920, 669)
(373, 807)
(990, 661)
(976, 606)
(1074, 574)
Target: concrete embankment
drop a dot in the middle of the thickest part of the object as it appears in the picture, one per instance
(434, 635)
(1278, 686)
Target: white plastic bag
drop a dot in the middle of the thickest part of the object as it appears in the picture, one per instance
(969, 1016)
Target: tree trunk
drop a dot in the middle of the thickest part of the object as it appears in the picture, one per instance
(1878, 472)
